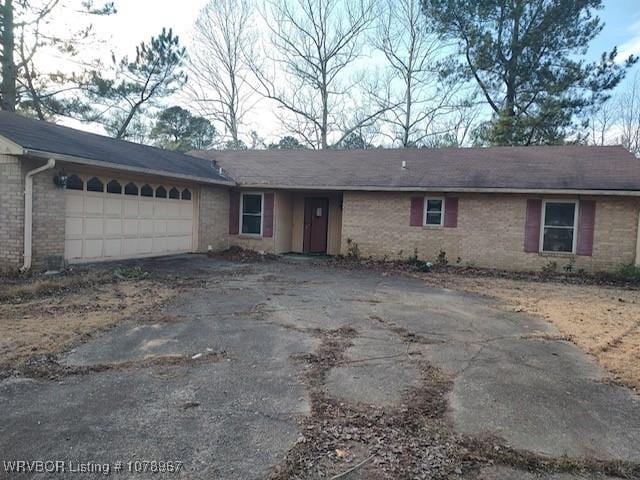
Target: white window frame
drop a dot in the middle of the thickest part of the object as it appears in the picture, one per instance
(575, 225)
(424, 216)
(256, 235)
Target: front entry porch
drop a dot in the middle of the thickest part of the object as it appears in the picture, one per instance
(286, 221)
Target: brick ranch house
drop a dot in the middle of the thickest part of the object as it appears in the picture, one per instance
(68, 196)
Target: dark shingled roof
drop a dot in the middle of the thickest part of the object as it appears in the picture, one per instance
(538, 168)
(48, 137)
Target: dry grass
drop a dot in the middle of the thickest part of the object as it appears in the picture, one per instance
(604, 321)
(52, 315)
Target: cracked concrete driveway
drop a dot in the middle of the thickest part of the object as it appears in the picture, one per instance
(240, 403)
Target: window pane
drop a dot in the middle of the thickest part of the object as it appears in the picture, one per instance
(559, 214)
(95, 185)
(146, 191)
(251, 204)
(251, 224)
(186, 194)
(558, 240)
(161, 192)
(434, 218)
(74, 182)
(131, 189)
(434, 206)
(114, 187)
(174, 193)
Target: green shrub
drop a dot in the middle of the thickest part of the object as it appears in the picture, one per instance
(353, 251)
(550, 268)
(442, 261)
(130, 273)
(630, 272)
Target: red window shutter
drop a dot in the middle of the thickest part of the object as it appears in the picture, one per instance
(451, 212)
(234, 212)
(267, 221)
(586, 226)
(532, 225)
(417, 212)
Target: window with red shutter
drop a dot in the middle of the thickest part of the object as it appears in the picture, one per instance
(267, 221)
(451, 212)
(532, 225)
(234, 212)
(416, 216)
(586, 227)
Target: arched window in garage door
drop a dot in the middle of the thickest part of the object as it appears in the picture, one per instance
(114, 187)
(146, 191)
(95, 185)
(131, 189)
(74, 182)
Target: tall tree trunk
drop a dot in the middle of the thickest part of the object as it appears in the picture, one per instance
(122, 131)
(8, 92)
(324, 144)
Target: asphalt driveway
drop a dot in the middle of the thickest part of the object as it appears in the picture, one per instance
(298, 370)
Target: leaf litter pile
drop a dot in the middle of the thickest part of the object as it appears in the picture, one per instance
(343, 440)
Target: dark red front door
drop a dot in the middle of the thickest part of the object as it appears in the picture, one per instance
(316, 215)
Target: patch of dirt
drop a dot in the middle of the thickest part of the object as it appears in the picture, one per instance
(47, 366)
(241, 255)
(604, 321)
(47, 316)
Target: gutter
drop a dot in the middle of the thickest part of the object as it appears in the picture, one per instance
(116, 166)
(28, 212)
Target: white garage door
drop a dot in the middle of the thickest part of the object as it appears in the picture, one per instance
(113, 218)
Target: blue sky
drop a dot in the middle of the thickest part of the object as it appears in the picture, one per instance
(621, 29)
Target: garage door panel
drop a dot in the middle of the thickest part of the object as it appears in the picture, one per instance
(145, 246)
(146, 208)
(173, 210)
(186, 210)
(74, 204)
(73, 249)
(131, 208)
(93, 227)
(73, 226)
(92, 248)
(113, 247)
(174, 227)
(160, 209)
(106, 225)
(173, 243)
(131, 226)
(185, 243)
(113, 226)
(113, 206)
(159, 226)
(93, 204)
(159, 244)
(146, 227)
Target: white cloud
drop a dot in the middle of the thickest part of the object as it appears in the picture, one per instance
(631, 46)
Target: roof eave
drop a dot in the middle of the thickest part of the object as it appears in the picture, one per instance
(116, 166)
(377, 188)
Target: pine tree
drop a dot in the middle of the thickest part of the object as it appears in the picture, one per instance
(524, 55)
